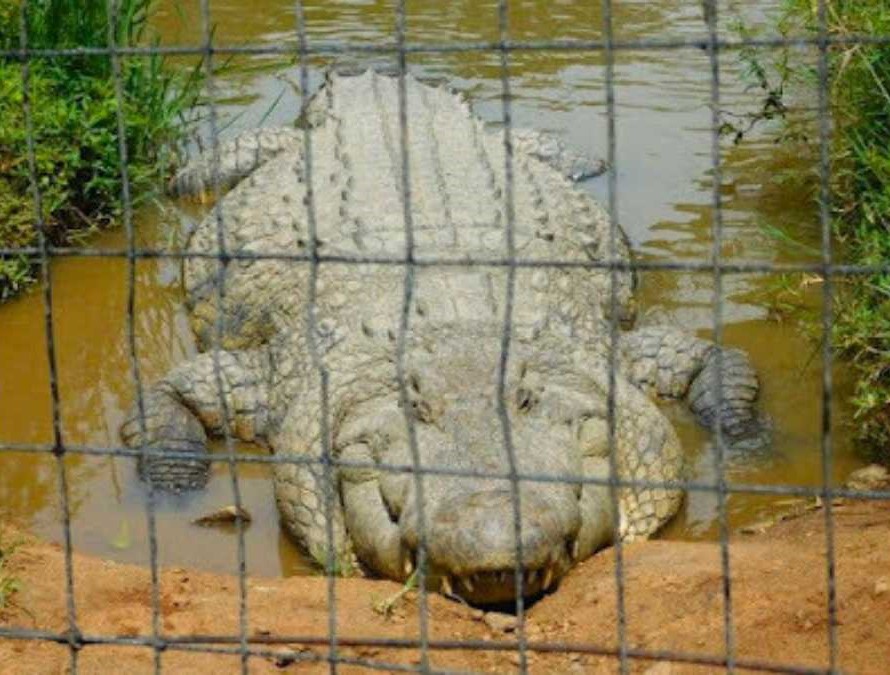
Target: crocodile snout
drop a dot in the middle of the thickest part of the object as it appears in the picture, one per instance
(471, 544)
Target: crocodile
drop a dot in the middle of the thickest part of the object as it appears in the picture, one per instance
(357, 313)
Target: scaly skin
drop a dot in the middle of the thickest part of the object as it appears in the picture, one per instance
(556, 384)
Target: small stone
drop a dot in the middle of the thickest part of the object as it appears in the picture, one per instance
(882, 586)
(477, 614)
(499, 622)
(227, 514)
(180, 603)
(871, 477)
(283, 657)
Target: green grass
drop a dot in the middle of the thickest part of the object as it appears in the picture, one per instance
(860, 101)
(74, 119)
(9, 583)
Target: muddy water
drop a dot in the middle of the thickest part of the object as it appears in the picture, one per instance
(664, 202)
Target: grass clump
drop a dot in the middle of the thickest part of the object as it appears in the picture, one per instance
(860, 104)
(9, 583)
(75, 126)
(859, 100)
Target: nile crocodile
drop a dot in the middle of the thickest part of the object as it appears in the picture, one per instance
(325, 361)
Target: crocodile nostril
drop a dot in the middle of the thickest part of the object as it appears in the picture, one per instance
(525, 399)
(414, 382)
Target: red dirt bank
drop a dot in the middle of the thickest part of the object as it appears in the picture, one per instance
(674, 601)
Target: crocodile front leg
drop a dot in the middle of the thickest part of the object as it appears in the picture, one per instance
(646, 451)
(302, 491)
(179, 408)
(306, 487)
(237, 158)
(551, 150)
(673, 364)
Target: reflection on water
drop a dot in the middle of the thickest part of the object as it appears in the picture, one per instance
(664, 202)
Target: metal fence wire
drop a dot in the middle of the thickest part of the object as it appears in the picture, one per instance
(249, 645)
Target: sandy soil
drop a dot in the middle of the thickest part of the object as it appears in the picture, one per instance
(674, 601)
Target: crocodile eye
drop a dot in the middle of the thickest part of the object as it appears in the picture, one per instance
(422, 410)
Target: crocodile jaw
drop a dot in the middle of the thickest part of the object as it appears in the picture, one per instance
(471, 544)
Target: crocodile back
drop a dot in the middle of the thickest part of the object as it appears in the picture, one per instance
(455, 199)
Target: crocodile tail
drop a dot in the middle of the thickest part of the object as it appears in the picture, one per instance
(719, 383)
(724, 395)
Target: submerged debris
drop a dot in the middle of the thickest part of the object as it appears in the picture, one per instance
(227, 514)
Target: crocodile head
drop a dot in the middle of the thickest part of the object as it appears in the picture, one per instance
(464, 508)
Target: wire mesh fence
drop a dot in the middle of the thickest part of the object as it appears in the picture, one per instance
(246, 644)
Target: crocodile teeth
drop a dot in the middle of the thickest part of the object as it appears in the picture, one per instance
(468, 583)
(548, 577)
(409, 567)
(446, 585)
(576, 549)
